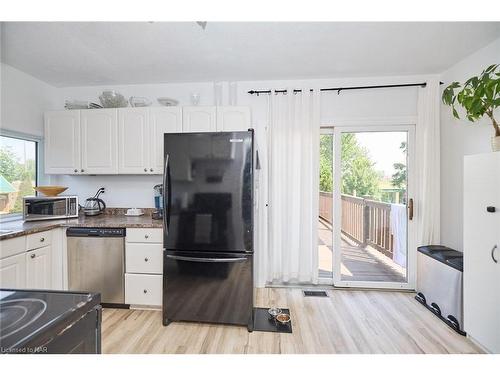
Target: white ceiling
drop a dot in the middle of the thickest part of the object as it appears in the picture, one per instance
(79, 54)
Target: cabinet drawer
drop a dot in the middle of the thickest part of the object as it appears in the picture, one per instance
(12, 246)
(143, 289)
(146, 235)
(144, 258)
(40, 239)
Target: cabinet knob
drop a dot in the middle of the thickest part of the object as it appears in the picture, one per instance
(76, 170)
(145, 169)
(145, 291)
(146, 259)
(32, 256)
(82, 170)
(42, 239)
(146, 236)
(151, 169)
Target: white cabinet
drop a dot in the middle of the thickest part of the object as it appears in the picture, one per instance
(39, 268)
(482, 249)
(133, 141)
(62, 142)
(233, 118)
(162, 120)
(128, 140)
(99, 141)
(143, 289)
(144, 266)
(199, 119)
(13, 271)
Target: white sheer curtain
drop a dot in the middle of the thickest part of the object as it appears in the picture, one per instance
(428, 161)
(293, 196)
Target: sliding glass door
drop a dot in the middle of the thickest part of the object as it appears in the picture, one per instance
(373, 224)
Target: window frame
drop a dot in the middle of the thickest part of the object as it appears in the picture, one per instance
(39, 157)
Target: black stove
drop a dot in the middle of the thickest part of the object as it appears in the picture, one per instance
(39, 321)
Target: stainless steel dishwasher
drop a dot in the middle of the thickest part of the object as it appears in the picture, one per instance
(96, 262)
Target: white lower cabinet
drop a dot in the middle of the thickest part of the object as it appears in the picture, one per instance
(13, 272)
(144, 258)
(39, 268)
(143, 289)
(144, 267)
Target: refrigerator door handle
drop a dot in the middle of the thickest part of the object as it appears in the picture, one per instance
(207, 260)
(166, 192)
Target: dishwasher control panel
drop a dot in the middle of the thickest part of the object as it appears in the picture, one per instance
(95, 232)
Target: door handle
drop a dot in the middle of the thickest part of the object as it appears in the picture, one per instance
(207, 260)
(493, 254)
(410, 209)
(166, 194)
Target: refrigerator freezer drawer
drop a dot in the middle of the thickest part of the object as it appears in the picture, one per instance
(212, 288)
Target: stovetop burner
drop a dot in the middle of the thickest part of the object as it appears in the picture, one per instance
(17, 314)
(30, 315)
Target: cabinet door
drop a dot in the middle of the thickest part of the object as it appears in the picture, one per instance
(13, 272)
(481, 235)
(199, 119)
(133, 141)
(233, 118)
(62, 142)
(39, 268)
(99, 141)
(162, 120)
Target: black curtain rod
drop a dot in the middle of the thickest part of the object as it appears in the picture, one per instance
(339, 89)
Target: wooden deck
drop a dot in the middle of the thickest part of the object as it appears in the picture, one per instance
(358, 263)
(344, 322)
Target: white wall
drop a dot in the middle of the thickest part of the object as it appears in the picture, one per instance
(23, 101)
(127, 191)
(459, 138)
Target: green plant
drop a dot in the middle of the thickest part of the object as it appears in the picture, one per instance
(479, 96)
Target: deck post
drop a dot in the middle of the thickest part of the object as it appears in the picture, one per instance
(366, 223)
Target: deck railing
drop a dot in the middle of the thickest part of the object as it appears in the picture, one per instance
(365, 221)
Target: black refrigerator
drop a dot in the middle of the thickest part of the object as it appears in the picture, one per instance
(208, 228)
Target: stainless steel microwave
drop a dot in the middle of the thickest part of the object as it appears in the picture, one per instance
(46, 208)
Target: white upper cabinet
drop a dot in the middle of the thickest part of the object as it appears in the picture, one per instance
(39, 268)
(62, 142)
(162, 120)
(133, 141)
(199, 119)
(99, 132)
(128, 140)
(233, 118)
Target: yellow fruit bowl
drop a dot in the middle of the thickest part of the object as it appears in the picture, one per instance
(51, 191)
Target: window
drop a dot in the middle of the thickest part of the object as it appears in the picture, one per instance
(18, 173)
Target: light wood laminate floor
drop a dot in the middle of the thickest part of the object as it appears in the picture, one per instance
(344, 322)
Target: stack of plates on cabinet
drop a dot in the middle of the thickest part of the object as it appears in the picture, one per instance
(136, 101)
(168, 102)
(80, 104)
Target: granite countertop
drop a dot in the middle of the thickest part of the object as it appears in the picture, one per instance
(18, 228)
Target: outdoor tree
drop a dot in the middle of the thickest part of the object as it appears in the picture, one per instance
(399, 177)
(359, 176)
(10, 167)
